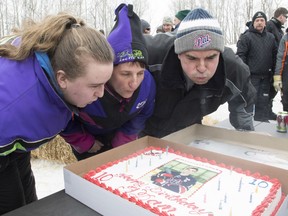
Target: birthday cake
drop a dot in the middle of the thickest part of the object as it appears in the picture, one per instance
(166, 182)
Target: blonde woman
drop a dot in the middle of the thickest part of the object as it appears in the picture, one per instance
(48, 70)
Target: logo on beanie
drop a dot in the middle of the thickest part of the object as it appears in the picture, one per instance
(202, 41)
(129, 55)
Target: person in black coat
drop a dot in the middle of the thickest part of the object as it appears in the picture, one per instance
(258, 49)
(195, 74)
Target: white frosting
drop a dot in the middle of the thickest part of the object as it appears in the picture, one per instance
(222, 192)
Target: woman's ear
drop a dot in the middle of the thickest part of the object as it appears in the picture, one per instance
(61, 79)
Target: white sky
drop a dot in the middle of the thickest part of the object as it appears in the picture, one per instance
(158, 10)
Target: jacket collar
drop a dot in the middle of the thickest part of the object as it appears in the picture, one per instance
(45, 63)
(277, 23)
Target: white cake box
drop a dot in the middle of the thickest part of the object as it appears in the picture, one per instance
(107, 203)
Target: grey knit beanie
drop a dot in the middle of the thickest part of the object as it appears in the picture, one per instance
(199, 31)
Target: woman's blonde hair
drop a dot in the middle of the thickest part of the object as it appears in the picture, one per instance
(67, 41)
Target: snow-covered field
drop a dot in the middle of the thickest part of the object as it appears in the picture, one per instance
(49, 174)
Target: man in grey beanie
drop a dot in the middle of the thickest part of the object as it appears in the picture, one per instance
(195, 74)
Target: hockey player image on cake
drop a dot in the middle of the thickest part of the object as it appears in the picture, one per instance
(181, 177)
(177, 181)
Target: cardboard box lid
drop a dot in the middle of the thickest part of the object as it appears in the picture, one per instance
(251, 146)
(198, 131)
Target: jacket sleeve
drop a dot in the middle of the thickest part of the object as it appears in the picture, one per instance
(243, 48)
(281, 55)
(274, 56)
(130, 130)
(75, 135)
(242, 103)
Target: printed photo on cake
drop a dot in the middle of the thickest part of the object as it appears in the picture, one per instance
(180, 177)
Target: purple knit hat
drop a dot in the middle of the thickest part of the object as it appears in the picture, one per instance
(126, 37)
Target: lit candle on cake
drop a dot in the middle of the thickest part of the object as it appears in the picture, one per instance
(167, 148)
(251, 197)
(136, 164)
(225, 198)
(256, 189)
(150, 161)
(219, 184)
(220, 205)
(240, 185)
(231, 169)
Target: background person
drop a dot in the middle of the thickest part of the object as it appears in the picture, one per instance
(146, 28)
(121, 113)
(281, 71)
(167, 24)
(179, 16)
(258, 49)
(275, 25)
(50, 69)
(195, 76)
(159, 29)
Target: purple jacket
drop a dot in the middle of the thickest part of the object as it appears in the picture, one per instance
(111, 119)
(31, 112)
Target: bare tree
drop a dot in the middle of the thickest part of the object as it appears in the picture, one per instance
(182, 5)
(232, 14)
(2, 28)
(140, 7)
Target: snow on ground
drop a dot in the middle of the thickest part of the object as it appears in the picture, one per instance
(49, 174)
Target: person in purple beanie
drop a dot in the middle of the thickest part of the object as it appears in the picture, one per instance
(121, 113)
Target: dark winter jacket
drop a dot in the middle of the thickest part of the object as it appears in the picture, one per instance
(177, 108)
(111, 119)
(274, 26)
(258, 51)
(31, 112)
(282, 60)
